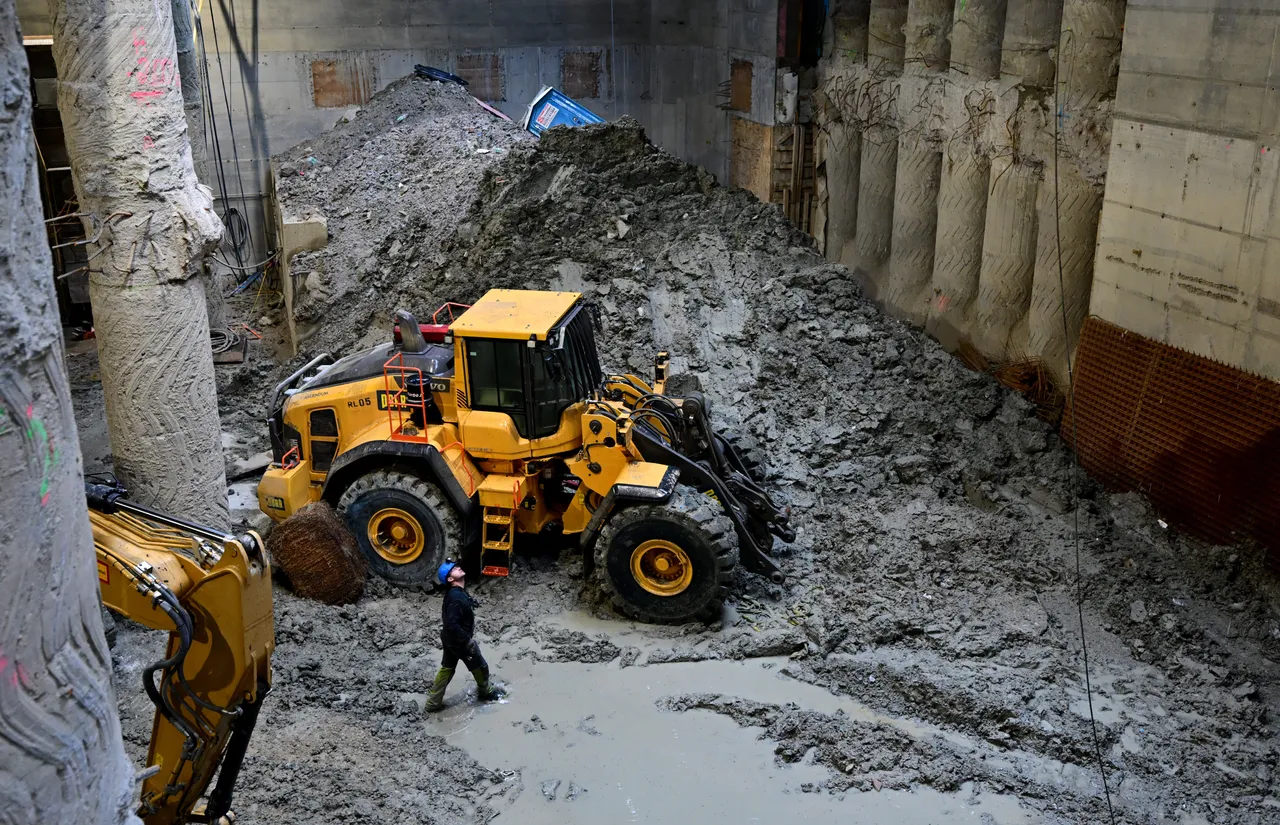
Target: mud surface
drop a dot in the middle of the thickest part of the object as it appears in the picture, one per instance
(926, 645)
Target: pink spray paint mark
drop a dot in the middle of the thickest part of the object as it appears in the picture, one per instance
(148, 142)
(24, 677)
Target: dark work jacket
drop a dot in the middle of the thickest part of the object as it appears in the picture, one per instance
(458, 619)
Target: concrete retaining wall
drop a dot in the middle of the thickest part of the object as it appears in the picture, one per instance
(1188, 247)
(292, 70)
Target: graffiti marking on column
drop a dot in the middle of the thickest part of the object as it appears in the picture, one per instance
(151, 76)
(37, 433)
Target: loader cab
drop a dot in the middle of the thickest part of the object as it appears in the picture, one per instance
(527, 357)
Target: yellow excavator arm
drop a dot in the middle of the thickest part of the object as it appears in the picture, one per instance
(212, 592)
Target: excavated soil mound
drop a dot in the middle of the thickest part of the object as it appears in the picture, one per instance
(392, 183)
(319, 556)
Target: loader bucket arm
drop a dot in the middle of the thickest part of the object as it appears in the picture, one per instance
(737, 494)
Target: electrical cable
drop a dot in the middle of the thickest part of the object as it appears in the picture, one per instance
(237, 229)
(231, 124)
(223, 340)
(1075, 424)
(220, 170)
(613, 63)
(248, 267)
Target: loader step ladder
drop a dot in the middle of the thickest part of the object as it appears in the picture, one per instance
(497, 540)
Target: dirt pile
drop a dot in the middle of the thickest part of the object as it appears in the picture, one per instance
(935, 574)
(392, 184)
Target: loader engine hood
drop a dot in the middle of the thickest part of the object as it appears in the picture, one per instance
(436, 361)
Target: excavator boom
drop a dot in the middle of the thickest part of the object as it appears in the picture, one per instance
(212, 592)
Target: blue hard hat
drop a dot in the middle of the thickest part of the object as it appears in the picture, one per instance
(443, 573)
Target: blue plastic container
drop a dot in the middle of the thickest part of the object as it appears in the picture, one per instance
(550, 108)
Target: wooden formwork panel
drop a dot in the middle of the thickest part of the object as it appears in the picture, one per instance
(1201, 439)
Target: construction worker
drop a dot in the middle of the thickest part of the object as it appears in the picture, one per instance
(457, 638)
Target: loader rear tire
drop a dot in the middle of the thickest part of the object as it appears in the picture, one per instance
(670, 562)
(404, 526)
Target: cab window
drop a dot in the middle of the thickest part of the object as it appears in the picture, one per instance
(553, 389)
(497, 379)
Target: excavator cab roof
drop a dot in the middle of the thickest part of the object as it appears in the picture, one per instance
(514, 313)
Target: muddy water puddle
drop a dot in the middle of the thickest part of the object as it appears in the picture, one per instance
(589, 744)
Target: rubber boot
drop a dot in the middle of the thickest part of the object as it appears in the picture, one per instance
(435, 695)
(486, 690)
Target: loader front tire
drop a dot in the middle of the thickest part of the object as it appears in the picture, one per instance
(670, 562)
(752, 454)
(404, 526)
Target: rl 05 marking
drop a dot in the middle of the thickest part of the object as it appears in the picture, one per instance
(361, 402)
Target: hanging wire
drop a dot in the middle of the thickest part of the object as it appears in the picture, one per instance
(212, 122)
(613, 62)
(231, 124)
(1075, 421)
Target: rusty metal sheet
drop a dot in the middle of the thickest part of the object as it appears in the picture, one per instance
(580, 75)
(1199, 438)
(740, 75)
(345, 80)
(484, 76)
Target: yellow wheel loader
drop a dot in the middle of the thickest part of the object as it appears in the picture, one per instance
(212, 592)
(495, 420)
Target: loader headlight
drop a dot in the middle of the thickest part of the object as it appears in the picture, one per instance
(660, 493)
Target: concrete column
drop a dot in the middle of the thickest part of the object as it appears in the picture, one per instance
(61, 757)
(928, 35)
(1074, 214)
(1030, 37)
(957, 265)
(877, 175)
(915, 225)
(1008, 256)
(1069, 205)
(849, 24)
(843, 161)
(915, 207)
(976, 34)
(886, 41)
(1091, 31)
(121, 107)
(846, 32)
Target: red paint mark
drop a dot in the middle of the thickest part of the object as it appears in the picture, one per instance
(153, 75)
(24, 677)
(943, 302)
(148, 142)
(31, 410)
